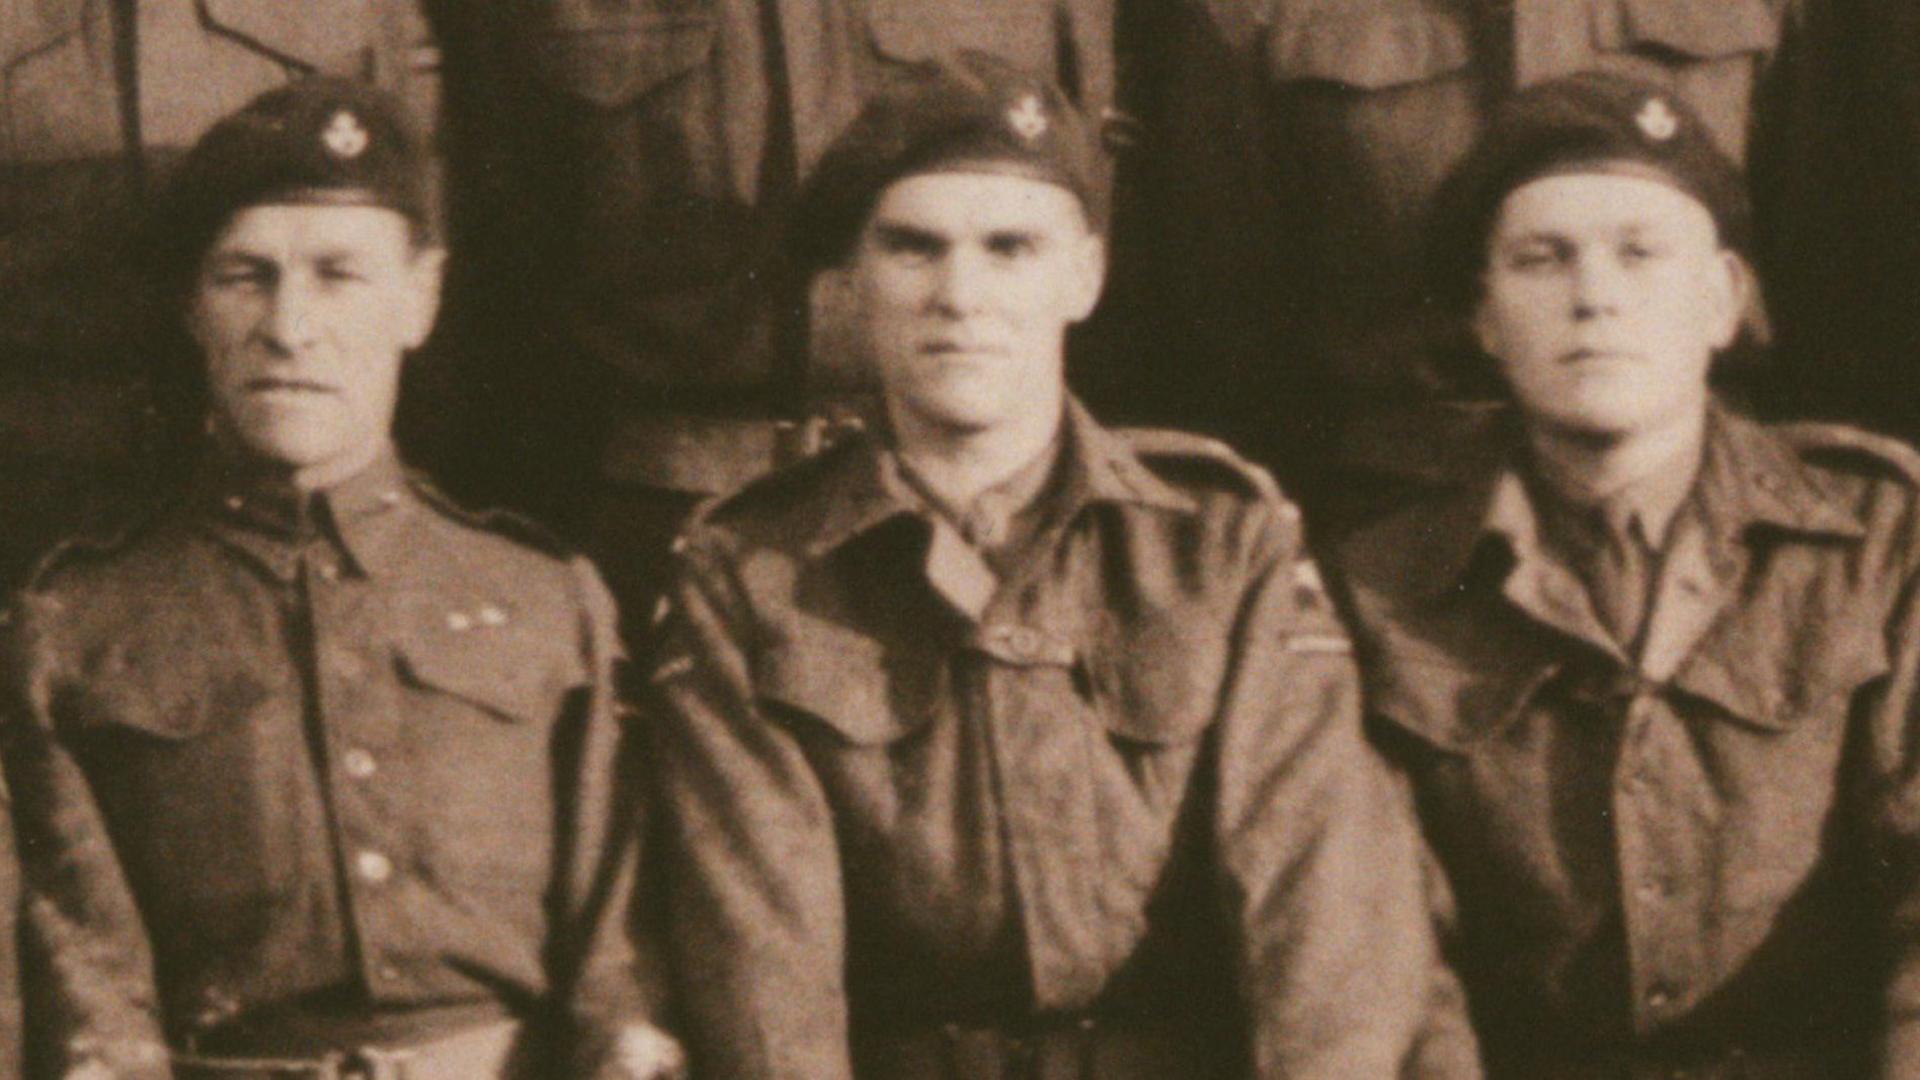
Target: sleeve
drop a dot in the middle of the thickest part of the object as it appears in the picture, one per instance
(615, 990)
(1321, 857)
(758, 949)
(86, 962)
(1894, 824)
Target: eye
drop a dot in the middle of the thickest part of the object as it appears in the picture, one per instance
(908, 243)
(340, 273)
(233, 276)
(1012, 245)
(1640, 251)
(1536, 257)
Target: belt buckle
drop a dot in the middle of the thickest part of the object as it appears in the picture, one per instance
(376, 1063)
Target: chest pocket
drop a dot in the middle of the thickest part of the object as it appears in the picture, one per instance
(1159, 682)
(489, 659)
(912, 31)
(611, 54)
(843, 687)
(1367, 46)
(1688, 29)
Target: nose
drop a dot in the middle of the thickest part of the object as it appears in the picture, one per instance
(1597, 281)
(959, 283)
(291, 324)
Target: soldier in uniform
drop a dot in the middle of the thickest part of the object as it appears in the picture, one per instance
(98, 99)
(996, 742)
(1367, 104)
(316, 773)
(1653, 671)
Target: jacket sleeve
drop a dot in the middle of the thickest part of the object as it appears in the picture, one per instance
(754, 895)
(87, 964)
(615, 988)
(1321, 857)
(1895, 825)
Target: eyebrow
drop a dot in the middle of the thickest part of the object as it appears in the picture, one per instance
(899, 232)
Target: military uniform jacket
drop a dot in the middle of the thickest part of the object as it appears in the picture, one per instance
(1705, 860)
(1128, 791)
(357, 747)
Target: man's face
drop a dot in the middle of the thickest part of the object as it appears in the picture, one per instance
(1606, 297)
(303, 314)
(964, 286)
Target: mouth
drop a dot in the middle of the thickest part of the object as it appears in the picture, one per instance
(961, 348)
(286, 387)
(1591, 353)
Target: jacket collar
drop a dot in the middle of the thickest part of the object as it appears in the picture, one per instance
(1749, 478)
(273, 521)
(863, 488)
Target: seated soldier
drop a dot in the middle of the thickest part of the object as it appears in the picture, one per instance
(999, 743)
(1653, 674)
(315, 774)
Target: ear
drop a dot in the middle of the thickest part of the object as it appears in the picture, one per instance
(1735, 293)
(1089, 276)
(426, 273)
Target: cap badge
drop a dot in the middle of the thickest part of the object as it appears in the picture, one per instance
(344, 136)
(1657, 120)
(1027, 119)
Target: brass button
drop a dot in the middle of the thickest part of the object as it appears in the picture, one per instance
(359, 764)
(374, 867)
(459, 622)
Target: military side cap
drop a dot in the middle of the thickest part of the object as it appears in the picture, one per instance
(966, 112)
(1591, 122)
(318, 141)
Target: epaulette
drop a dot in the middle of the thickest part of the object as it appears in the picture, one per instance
(1164, 446)
(91, 542)
(770, 484)
(1849, 448)
(508, 523)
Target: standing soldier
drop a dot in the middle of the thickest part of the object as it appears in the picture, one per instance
(1654, 671)
(1836, 176)
(998, 743)
(316, 774)
(623, 173)
(1369, 104)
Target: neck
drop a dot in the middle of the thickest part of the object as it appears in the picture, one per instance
(304, 478)
(958, 465)
(1595, 469)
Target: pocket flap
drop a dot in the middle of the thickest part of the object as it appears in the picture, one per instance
(1369, 49)
(912, 31)
(320, 34)
(497, 675)
(1701, 29)
(845, 683)
(609, 55)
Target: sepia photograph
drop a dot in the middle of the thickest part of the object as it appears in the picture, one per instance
(959, 540)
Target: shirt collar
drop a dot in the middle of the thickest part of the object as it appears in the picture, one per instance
(273, 520)
(1748, 477)
(864, 489)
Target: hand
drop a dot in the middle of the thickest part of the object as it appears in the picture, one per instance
(644, 1052)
